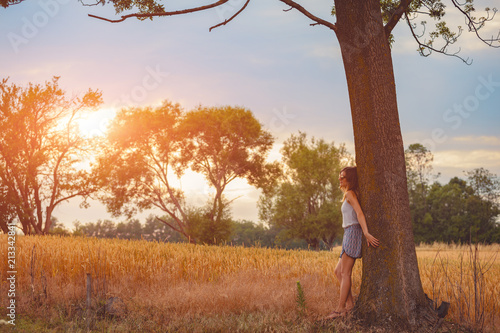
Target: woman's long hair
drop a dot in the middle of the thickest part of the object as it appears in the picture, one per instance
(351, 175)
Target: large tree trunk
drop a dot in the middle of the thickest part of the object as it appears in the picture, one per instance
(391, 290)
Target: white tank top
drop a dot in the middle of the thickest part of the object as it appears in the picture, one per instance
(349, 216)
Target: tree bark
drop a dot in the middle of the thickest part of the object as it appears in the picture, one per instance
(391, 290)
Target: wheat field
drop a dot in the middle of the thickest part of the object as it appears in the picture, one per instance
(168, 286)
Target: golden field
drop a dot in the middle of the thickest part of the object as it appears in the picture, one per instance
(185, 287)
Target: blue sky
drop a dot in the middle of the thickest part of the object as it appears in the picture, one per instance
(288, 73)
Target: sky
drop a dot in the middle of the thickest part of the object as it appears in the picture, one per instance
(271, 61)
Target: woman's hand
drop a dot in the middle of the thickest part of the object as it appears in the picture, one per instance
(371, 240)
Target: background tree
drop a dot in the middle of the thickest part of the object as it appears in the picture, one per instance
(460, 211)
(147, 149)
(458, 214)
(7, 209)
(156, 230)
(131, 229)
(248, 233)
(209, 230)
(223, 144)
(418, 168)
(485, 184)
(139, 160)
(41, 151)
(418, 174)
(58, 228)
(99, 229)
(305, 201)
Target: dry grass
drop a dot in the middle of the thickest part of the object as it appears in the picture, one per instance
(183, 287)
(466, 276)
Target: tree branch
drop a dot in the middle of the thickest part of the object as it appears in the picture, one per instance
(475, 26)
(98, 2)
(292, 4)
(70, 196)
(172, 13)
(181, 230)
(423, 46)
(396, 16)
(316, 19)
(231, 18)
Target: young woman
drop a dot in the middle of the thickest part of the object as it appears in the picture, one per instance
(354, 224)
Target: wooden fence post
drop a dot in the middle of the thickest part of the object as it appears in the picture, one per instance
(89, 299)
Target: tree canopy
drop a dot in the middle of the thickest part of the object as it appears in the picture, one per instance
(305, 200)
(461, 211)
(41, 151)
(148, 149)
(456, 213)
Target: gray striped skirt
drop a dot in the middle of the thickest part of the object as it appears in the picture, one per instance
(351, 243)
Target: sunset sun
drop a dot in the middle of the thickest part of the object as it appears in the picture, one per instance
(95, 123)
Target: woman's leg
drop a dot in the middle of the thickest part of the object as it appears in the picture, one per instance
(338, 273)
(338, 270)
(345, 299)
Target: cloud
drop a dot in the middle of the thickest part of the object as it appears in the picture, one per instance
(453, 163)
(492, 141)
(462, 153)
(468, 159)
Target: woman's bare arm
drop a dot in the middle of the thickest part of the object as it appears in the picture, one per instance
(353, 201)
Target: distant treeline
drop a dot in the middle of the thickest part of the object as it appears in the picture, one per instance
(462, 211)
(243, 233)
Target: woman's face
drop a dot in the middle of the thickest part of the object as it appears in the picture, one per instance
(342, 180)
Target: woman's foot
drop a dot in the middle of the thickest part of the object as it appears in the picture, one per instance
(336, 314)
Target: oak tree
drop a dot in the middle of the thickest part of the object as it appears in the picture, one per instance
(306, 199)
(459, 214)
(223, 144)
(485, 184)
(148, 149)
(7, 209)
(139, 164)
(42, 151)
(418, 167)
(419, 174)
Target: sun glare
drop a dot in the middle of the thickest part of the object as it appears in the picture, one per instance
(95, 123)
